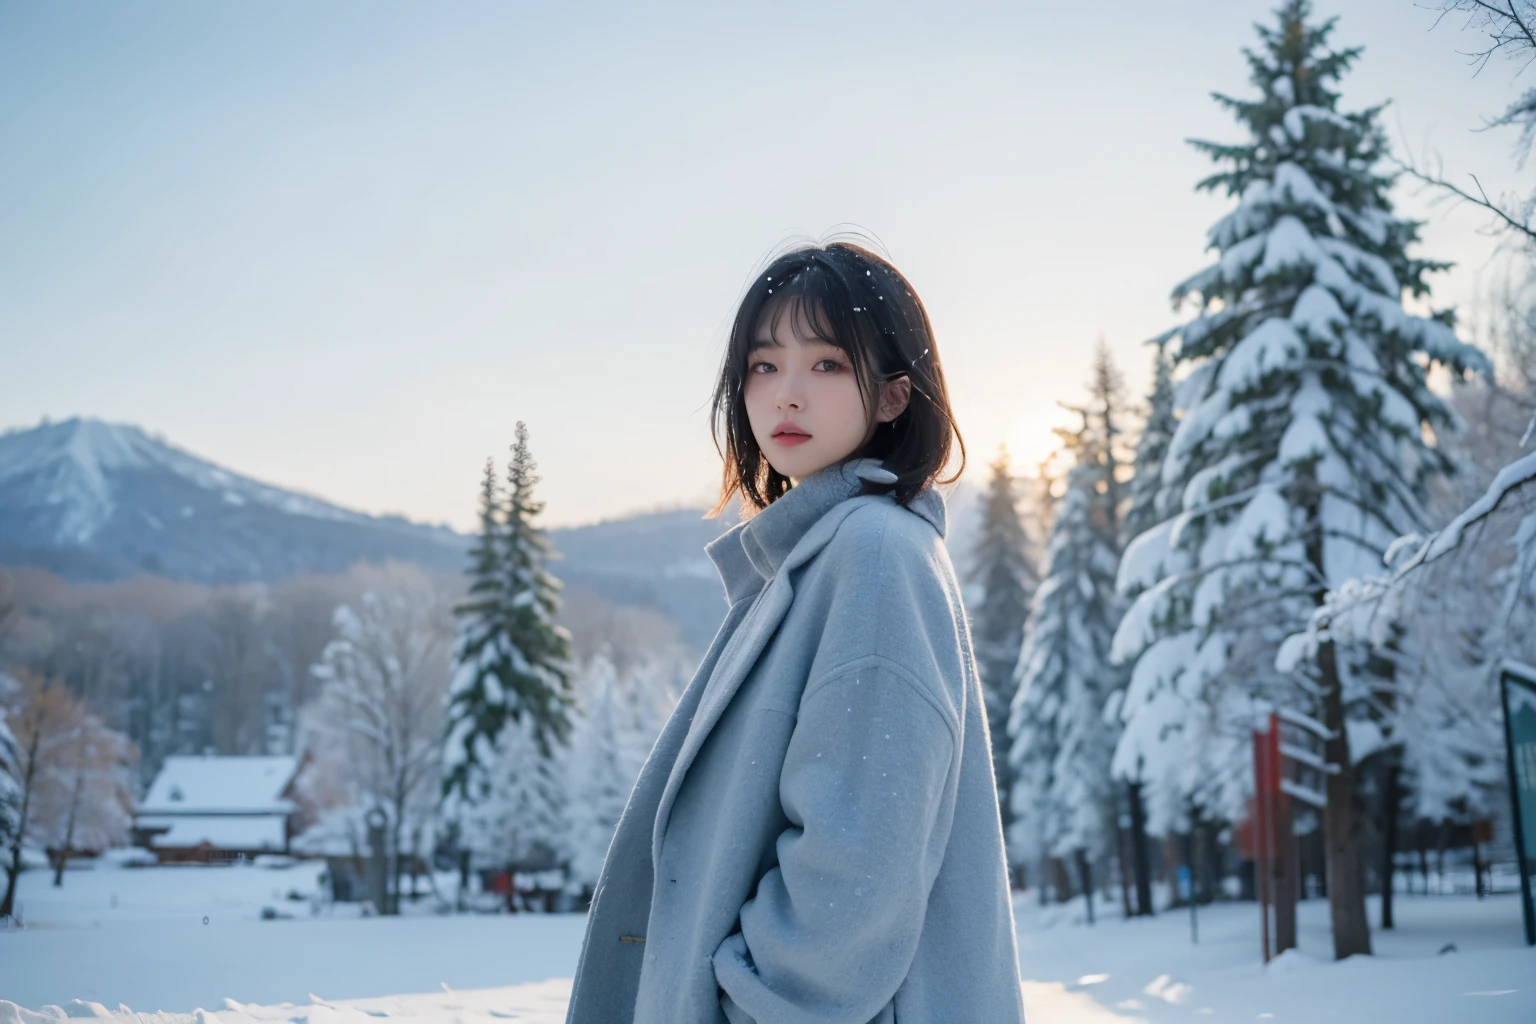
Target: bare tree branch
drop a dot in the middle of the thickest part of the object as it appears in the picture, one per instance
(1510, 26)
(1511, 221)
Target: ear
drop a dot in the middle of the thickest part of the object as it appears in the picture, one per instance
(894, 395)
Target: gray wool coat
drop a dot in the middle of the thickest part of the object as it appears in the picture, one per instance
(815, 838)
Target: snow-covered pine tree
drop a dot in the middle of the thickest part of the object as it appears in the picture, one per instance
(1106, 394)
(657, 680)
(1005, 570)
(475, 689)
(1449, 608)
(1302, 452)
(518, 820)
(512, 662)
(621, 717)
(541, 677)
(1060, 741)
(1147, 507)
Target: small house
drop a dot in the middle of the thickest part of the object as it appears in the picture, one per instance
(216, 809)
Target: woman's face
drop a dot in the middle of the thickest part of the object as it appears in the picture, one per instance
(803, 399)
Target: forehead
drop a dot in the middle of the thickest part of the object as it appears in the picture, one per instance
(791, 320)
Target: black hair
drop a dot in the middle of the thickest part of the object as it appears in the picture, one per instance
(854, 299)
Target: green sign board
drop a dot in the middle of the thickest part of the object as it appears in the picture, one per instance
(1518, 683)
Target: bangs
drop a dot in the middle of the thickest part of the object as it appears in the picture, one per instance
(806, 316)
(811, 304)
(846, 296)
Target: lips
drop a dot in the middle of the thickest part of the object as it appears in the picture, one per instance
(788, 433)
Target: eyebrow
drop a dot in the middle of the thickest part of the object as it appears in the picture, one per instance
(759, 343)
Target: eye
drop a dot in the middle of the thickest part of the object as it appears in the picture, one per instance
(753, 367)
(835, 364)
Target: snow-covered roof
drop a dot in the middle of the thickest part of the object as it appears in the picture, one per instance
(227, 832)
(216, 784)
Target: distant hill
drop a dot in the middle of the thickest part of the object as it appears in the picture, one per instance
(94, 501)
(655, 559)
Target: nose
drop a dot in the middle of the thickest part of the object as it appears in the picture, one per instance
(790, 392)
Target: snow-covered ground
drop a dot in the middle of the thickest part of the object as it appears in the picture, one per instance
(1149, 969)
(137, 938)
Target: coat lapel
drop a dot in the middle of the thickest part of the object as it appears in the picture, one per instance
(741, 653)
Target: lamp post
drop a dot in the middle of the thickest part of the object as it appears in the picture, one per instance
(378, 890)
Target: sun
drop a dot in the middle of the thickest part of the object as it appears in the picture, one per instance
(1031, 440)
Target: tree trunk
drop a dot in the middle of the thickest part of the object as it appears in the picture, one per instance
(1341, 821)
(1287, 875)
(1214, 865)
(1345, 869)
(396, 871)
(1390, 797)
(415, 859)
(1442, 843)
(69, 832)
(1320, 862)
(1085, 873)
(463, 877)
(1141, 861)
(1123, 862)
(13, 873)
(1062, 880)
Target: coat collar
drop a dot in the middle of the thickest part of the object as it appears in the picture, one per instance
(751, 552)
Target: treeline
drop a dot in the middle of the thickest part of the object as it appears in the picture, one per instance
(184, 668)
(1304, 431)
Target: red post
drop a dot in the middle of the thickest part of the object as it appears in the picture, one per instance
(1261, 833)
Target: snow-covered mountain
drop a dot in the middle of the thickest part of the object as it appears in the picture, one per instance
(98, 501)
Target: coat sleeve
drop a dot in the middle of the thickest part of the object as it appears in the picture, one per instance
(868, 787)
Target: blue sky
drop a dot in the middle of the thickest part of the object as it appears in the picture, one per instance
(343, 247)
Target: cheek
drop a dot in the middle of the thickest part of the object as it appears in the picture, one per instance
(762, 405)
(840, 399)
(756, 394)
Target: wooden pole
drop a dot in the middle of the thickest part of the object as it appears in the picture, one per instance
(1284, 836)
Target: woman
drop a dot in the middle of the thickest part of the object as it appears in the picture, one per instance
(815, 837)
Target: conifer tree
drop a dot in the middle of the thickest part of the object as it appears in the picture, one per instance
(622, 714)
(487, 582)
(1106, 445)
(1302, 450)
(1060, 740)
(512, 662)
(519, 817)
(474, 698)
(1007, 576)
(1146, 508)
(541, 677)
